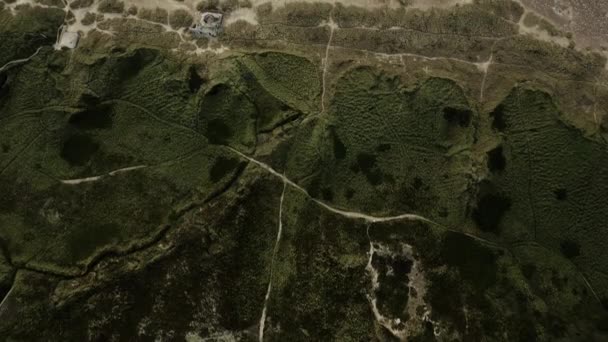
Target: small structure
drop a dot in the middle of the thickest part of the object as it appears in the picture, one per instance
(210, 25)
(68, 39)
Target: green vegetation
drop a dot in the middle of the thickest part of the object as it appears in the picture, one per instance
(297, 14)
(549, 58)
(180, 19)
(111, 6)
(271, 111)
(293, 80)
(456, 21)
(486, 292)
(132, 33)
(88, 19)
(157, 15)
(231, 250)
(319, 277)
(389, 150)
(509, 10)
(81, 3)
(127, 212)
(60, 225)
(31, 28)
(220, 101)
(550, 185)
(462, 32)
(139, 109)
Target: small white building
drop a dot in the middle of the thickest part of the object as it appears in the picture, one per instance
(210, 25)
(68, 40)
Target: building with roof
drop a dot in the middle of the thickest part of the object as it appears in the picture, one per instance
(67, 39)
(210, 25)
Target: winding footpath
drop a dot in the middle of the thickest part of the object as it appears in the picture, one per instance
(348, 214)
(20, 61)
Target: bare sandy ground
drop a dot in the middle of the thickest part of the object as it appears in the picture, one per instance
(424, 4)
(191, 4)
(586, 19)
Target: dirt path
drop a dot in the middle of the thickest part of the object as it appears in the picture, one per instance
(348, 214)
(485, 67)
(5, 299)
(358, 215)
(19, 61)
(332, 26)
(96, 178)
(274, 254)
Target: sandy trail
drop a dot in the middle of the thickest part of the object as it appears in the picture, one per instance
(325, 62)
(274, 254)
(485, 67)
(96, 178)
(6, 298)
(357, 215)
(19, 61)
(349, 214)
